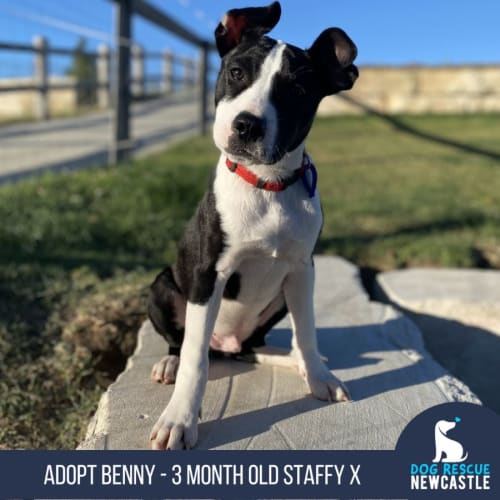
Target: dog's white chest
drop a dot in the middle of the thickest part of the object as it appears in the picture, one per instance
(256, 222)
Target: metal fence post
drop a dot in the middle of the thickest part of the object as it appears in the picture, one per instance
(138, 82)
(203, 82)
(121, 92)
(168, 72)
(103, 66)
(41, 100)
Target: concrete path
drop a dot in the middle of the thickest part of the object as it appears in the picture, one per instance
(458, 311)
(84, 141)
(374, 349)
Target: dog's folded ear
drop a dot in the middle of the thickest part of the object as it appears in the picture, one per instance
(333, 53)
(237, 23)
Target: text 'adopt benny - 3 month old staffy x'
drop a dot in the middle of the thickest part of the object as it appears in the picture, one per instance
(245, 259)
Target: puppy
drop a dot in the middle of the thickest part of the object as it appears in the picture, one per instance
(453, 450)
(246, 256)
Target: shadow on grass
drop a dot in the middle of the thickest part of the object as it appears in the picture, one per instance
(104, 266)
(40, 290)
(468, 220)
(421, 134)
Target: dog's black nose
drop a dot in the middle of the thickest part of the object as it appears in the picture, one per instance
(249, 127)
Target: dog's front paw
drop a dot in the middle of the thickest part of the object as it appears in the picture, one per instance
(176, 429)
(325, 386)
(165, 370)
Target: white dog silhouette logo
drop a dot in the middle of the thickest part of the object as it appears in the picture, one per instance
(453, 450)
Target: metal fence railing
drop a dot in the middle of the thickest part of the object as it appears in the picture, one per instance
(125, 11)
(113, 78)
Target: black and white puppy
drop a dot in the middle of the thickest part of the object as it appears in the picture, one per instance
(246, 257)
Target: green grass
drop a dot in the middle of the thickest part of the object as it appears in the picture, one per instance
(393, 199)
(76, 254)
(78, 250)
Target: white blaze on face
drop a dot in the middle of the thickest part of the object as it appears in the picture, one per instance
(256, 100)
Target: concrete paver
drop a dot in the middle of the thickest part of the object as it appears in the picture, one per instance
(375, 350)
(458, 311)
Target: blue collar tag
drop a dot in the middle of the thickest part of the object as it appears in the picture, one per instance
(310, 178)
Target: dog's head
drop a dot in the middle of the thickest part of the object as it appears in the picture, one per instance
(443, 426)
(267, 91)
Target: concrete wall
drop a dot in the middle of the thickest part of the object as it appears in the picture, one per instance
(21, 103)
(421, 89)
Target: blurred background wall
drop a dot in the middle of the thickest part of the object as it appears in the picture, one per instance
(420, 89)
(403, 89)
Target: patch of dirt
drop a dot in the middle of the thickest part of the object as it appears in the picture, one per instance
(487, 256)
(105, 325)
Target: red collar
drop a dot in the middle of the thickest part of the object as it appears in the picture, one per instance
(257, 182)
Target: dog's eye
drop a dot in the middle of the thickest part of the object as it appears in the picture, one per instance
(236, 73)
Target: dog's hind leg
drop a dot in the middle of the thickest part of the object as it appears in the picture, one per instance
(274, 356)
(167, 311)
(165, 370)
(268, 355)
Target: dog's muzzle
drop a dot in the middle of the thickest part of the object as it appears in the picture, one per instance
(249, 128)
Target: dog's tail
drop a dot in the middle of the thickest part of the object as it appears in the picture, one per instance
(464, 457)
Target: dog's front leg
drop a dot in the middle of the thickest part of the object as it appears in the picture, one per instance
(298, 288)
(177, 427)
(439, 454)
